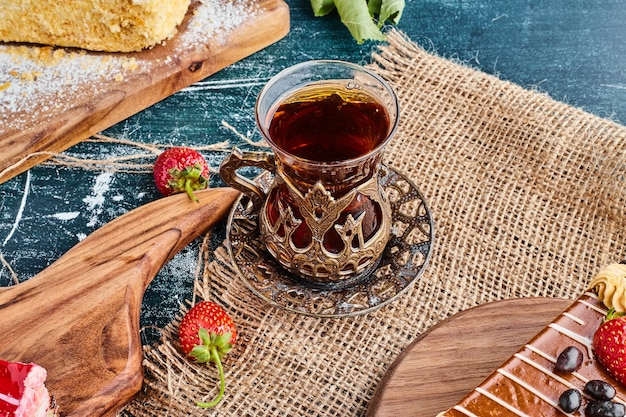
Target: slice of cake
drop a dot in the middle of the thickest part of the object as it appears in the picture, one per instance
(22, 390)
(98, 25)
(530, 384)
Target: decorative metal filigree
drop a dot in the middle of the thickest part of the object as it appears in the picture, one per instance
(403, 261)
(351, 257)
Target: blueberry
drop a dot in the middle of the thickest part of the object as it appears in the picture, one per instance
(570, 400)
(569, 360)
(600, 390)
(604, 408)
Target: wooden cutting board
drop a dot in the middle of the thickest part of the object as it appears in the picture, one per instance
(436, 370)
(119, 85)
(79, 318)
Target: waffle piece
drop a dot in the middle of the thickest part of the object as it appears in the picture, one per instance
(98, 25)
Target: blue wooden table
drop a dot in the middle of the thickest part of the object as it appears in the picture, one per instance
(572, 50)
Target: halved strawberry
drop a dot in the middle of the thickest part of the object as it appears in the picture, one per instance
(206, 334)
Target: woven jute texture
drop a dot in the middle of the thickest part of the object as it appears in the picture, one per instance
(528, 197)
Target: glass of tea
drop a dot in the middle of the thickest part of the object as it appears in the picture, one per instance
(325, 217)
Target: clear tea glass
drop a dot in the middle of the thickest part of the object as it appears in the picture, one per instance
(326, 217)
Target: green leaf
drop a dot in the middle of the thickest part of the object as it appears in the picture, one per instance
(374, 6)
(390, 10)
(223, 339)
(322, 7)
(360, 16)
(201, 353)
(204, 336)
(356, 16)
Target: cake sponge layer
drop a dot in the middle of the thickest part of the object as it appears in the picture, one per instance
(98, 25)
(22, 390)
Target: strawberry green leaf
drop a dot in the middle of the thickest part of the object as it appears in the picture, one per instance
(322, 7)
(204, 336)
(612, 314)
(356, 16)
(214, 346)
(202, 353)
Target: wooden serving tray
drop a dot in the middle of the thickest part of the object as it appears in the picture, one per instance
(38, 123)
(79, 317)
(437, 369)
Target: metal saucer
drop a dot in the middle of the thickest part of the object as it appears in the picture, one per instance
(403, 262)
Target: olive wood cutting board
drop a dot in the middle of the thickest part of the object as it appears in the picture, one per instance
(442, 365)
(160, 72)
(79, 318)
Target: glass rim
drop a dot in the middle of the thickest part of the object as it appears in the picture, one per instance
(326, 62)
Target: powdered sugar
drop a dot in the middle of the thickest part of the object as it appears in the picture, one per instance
(95, 201)
(66, 216)
(38, 82)
(212, 19)
(42, 80)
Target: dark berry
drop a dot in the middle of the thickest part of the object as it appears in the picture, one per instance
(600, 390)
(569, 360)
(604, 408)
(570, 400)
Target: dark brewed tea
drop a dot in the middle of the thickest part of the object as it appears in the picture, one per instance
(327, 123)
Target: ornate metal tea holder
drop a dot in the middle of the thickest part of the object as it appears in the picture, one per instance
(403, 261)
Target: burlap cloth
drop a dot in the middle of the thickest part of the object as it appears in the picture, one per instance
(528, 199)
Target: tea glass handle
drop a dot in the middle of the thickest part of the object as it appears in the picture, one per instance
(239, 159)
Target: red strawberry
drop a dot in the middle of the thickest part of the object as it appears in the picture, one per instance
(609, 345)
(181, 169)
(206, 334)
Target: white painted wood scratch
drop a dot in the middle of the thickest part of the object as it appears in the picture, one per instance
(20, 211)
(225, 84)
